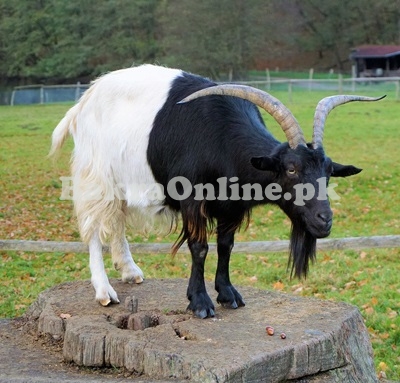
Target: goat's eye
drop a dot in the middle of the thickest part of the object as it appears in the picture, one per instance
(291, 171)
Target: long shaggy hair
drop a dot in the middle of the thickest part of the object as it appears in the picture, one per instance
(198, 224)
(303, 248)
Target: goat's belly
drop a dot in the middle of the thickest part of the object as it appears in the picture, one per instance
(157, 217)
(146, 207)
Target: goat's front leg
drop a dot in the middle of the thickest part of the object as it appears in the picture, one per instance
(200, 302)
(227, 295)
(105, 294)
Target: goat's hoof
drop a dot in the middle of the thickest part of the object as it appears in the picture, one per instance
(107, 296)
(229, 305)
(201, 306)
(202, 314)
(132, 279)
(229, 298)
(132, 274)
(105, 302)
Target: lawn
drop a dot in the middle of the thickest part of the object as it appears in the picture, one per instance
(363, 134)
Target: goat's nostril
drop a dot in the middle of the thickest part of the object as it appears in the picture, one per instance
(325, 217)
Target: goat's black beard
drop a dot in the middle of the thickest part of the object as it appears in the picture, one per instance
(302, 249)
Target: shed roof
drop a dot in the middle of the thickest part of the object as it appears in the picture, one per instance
(365, 51)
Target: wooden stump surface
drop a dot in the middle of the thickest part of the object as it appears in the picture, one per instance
(150, 333)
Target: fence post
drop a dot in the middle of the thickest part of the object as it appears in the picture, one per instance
(41, 94)
(290, 90)
(397, 84)
(12, 97)
(340, 83)
(268, 79)
(310, 78)
(77, 90)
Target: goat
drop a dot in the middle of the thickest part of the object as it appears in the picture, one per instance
(152, 125)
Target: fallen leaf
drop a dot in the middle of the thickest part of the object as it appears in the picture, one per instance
(391, 313)
(363, 255)
(278, 285)
(383, 366)
(374, 301)
(326, 258)
(349, 285)
(381, 375)
(369, 310)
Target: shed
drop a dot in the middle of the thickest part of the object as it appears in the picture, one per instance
(376, 60)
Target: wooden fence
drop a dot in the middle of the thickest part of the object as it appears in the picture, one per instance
(355, 243)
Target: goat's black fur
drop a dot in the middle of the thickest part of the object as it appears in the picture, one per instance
(223, 136)
(302, 250)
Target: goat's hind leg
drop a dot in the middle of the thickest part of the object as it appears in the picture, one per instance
(105, 294)
(123, 261)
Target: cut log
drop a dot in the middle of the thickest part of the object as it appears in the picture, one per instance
(325, 341)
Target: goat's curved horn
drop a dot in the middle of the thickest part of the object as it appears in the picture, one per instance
(323, 109)
(270, 104)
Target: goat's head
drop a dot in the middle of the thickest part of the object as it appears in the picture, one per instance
(301, 170)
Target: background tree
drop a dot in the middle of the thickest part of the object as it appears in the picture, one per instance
(55, 41)
(62, 40)
(332, 28)
(214, 36)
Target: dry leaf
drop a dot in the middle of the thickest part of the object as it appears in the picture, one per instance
(349, 285)
(298, 290)
(391, 313)
(383, 366)
(326, 258)
(381, 375)
(374, 301)
(369, 310)
(278, 285)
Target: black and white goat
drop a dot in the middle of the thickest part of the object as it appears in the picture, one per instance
(130, 130)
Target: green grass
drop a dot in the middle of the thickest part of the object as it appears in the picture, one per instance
(363, 134)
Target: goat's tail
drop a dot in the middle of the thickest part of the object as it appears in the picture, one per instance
(63, 129)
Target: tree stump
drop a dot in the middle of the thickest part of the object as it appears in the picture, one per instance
(150, 333)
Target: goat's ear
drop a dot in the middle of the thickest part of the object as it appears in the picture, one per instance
(344, 170)
(265, 163)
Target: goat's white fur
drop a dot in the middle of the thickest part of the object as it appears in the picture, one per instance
(110, 126)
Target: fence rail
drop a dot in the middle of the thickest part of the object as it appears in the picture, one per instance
(46, 94)
(354, 243)
(339, 85)
(42, 94)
